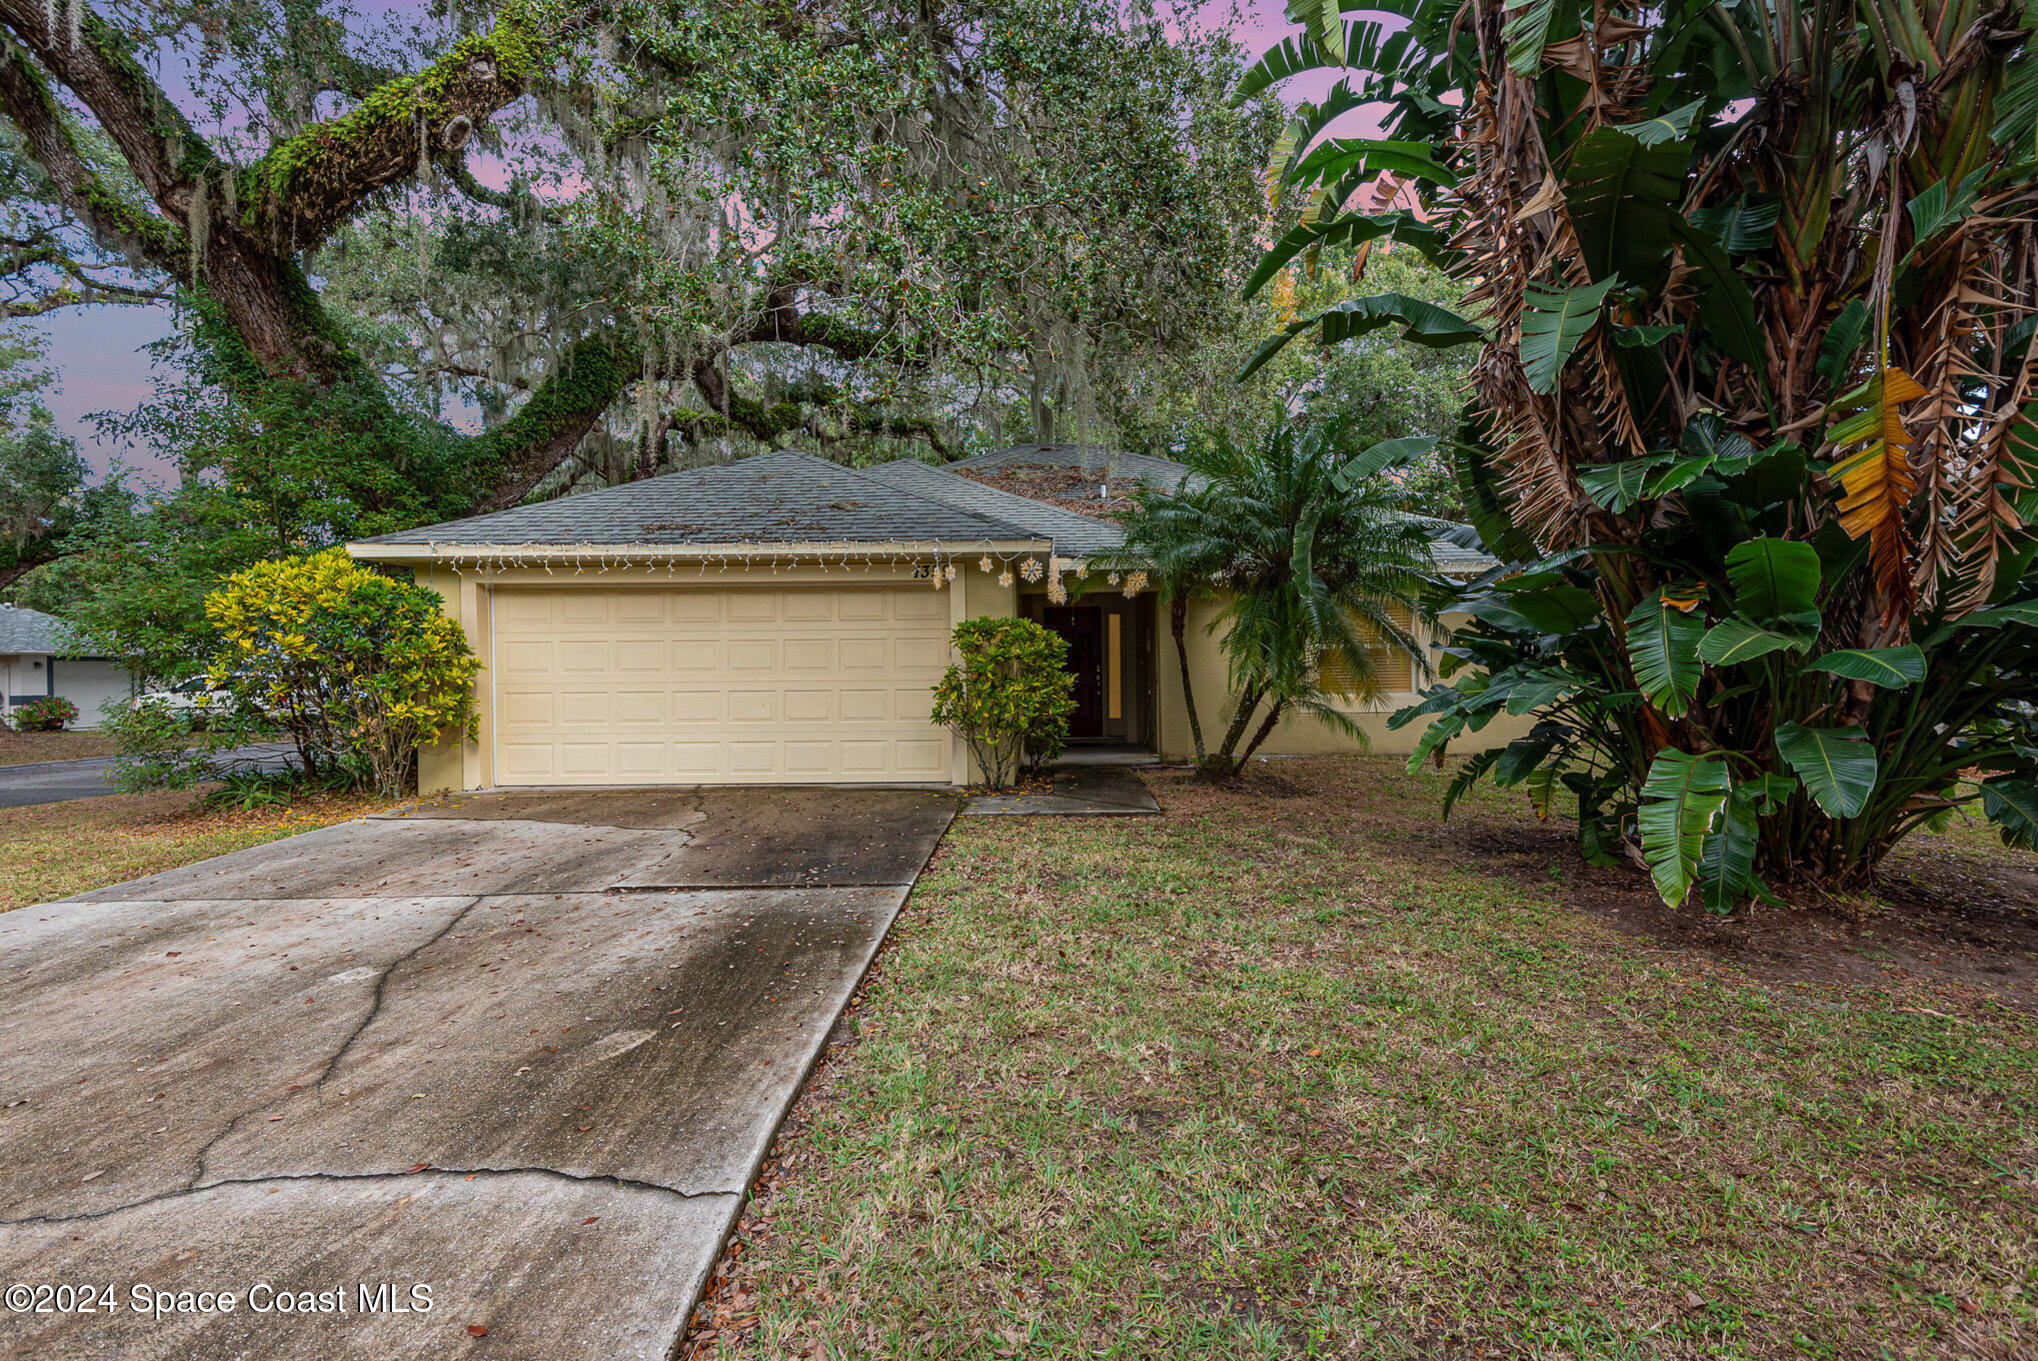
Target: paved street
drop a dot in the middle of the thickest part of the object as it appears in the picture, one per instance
(57, 781)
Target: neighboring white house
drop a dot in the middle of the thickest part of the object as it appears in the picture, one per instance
(40, 655)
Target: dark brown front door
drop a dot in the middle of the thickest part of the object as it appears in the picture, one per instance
(1082, 626)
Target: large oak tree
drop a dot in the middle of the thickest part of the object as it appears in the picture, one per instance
(615, 200)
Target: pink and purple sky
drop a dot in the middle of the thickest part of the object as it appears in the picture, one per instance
(97, 352)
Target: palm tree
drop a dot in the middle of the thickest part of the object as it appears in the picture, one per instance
(1315, 567)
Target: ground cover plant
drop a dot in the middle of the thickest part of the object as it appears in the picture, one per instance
(1299, 1070)
(1753, 432)
(50, 851)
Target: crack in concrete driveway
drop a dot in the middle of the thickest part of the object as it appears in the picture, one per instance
(536, 1095)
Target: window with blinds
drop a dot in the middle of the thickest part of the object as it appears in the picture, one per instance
(1396, 671)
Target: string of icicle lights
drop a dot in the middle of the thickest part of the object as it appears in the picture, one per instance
(941, 566)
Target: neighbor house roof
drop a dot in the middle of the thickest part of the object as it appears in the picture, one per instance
(25, 631)
(783, 497)
(1074, 536)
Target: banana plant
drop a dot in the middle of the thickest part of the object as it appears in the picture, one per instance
(1754, 412)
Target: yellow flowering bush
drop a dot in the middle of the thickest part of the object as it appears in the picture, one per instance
(358, 668)
(1010, 695)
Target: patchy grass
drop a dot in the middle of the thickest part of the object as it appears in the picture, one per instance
(28, 748)
(1300, 1071)
(53, 850)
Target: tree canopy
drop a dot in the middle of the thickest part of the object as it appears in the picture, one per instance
(605, 226)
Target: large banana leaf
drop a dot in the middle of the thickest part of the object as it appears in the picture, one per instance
(1836, 764)
(1349, 160)
(1526, 32)
(1388, 453)
(1553, 324)
(1617, 486)
(1622, 195)
(1301, 132)
(1734, 640)
(1422, 322)
(1680, 799)
(2012, 805)
(1362, 43)
(1343, 231)
(1892, 667)
(1744, 226)
(1663, 651)
(1774, 578)
(1726, 862)
(1873, 468)
(1843, 338)
(1724, 303)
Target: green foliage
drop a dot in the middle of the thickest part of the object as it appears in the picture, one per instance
(48, 714)
(1009, 695)
(351, 664)
(162, 747)
(1680, 800)
(1311, 551)
(1762, 503)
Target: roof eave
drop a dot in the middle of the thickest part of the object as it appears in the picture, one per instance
(496, 553)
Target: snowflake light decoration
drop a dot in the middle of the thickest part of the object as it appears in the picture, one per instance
(984, 563)
(1135, 583)
(1005, 577)
(1030, 569)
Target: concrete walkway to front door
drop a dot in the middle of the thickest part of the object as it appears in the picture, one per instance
(515, 1056)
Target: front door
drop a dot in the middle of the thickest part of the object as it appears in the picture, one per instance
(1082, 627)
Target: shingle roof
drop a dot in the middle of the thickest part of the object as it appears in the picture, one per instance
(783, 497)
(1163, 473)
(791, 497)
(33, 631)
(1074, 536)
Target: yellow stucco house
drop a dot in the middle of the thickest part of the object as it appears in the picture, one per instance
(783, 619)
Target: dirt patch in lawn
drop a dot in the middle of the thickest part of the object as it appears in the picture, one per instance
(1956, 909)
(33, 748)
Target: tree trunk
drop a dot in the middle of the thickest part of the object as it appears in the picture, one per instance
(1273, 717)
(1178, 624)
(1223, 763)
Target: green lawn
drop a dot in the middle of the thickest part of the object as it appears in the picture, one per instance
(1304, 1073)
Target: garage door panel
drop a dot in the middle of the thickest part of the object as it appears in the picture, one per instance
(810, 706)
(920, 654)
(809, 654)
(641, 654)
(690, 685)
(641, 708)
(699, 654)
(920, 607)
(864, 654)
(752, 607)
(753, 654)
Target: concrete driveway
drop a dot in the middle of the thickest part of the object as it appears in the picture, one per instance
(514, 1057)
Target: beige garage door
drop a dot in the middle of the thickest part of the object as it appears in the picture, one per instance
(752, 685)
